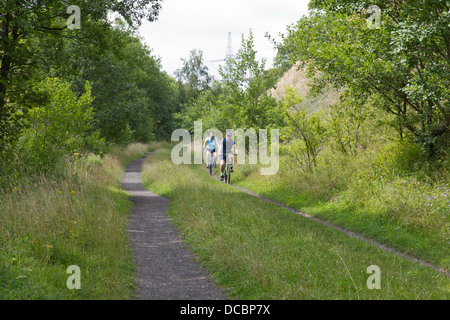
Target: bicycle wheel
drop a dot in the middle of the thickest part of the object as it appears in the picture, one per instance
(210, 169)
(228, 170)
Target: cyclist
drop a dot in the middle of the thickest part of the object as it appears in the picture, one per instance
(226, 148)
(210, 145)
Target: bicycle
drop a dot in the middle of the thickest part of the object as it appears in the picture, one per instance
(227, 173)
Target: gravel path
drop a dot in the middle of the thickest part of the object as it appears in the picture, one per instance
(166, 269)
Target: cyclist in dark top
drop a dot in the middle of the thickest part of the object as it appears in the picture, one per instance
(227, 147)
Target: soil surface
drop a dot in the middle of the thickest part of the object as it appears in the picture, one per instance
(166, 269)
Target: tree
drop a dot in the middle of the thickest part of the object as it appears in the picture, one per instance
(194, 75)
(305, 134)
(134, 99)
(403, 66)
(248, 104)
(59, 128)
(24, 24)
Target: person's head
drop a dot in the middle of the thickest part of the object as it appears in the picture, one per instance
(211, 134)
(229, 135)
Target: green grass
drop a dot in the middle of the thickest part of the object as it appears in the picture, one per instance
(80, 219)
(258, 250)
(408, 212)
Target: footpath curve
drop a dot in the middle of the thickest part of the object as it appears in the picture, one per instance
(166, 269)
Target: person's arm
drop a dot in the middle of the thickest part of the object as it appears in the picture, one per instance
(204, 144)
(220, 149)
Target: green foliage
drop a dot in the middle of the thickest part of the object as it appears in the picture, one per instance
(401, 68)
(60, 129)
(35, 31)
(134, 99)
(348, 124)
(305, 134)
(193, 76)
(240, 100)
(248, 104)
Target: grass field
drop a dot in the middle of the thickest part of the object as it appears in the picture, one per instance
(257, 250)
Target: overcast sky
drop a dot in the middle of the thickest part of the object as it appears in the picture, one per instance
(184, 25)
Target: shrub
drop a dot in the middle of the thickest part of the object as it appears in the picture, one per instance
(60, 129)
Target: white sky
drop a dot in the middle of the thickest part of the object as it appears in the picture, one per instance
(184, 25)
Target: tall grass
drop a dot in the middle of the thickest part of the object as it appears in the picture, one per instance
(388, 192)
(78, 219)
(260, 251)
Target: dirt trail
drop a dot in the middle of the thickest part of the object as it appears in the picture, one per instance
(166, 269)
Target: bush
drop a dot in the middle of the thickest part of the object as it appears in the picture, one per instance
(60, 129)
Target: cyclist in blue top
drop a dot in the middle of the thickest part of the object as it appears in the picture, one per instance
(227, 147)
(210, 145)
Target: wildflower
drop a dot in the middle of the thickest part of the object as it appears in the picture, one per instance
(15, 188)
(76, 154)
(73, 192)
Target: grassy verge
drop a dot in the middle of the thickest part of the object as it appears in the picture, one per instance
(81, 220)
(260, 251)
(407, 211)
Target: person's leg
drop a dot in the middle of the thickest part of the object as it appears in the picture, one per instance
(208, 153)
(222, 168)
(214, 158)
